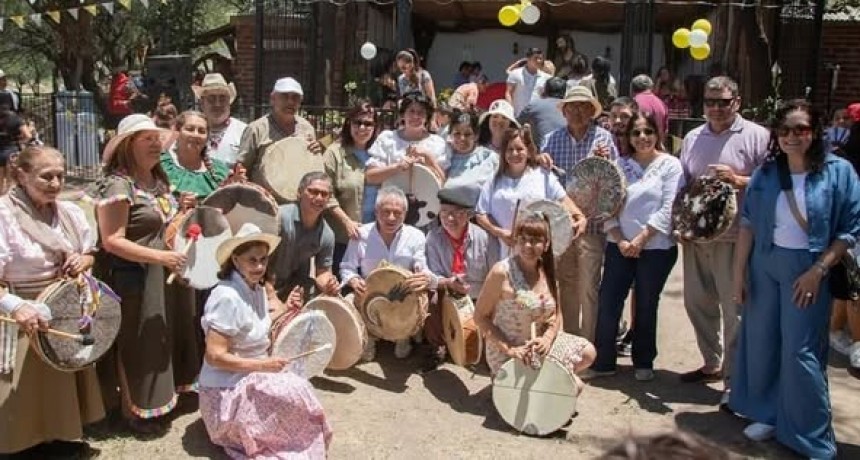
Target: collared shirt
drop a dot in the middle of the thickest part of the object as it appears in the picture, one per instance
(566, 152)
(832, 198)
(364, 254)
(480, 256)
(262, 133)
(527, 87)
(346, 166)
(544, 117)
(241, 313)
(298, 244)
(224, 144)
(650, 195)
(742, 147)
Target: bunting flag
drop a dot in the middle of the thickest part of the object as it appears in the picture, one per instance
(54, 15)
(18, 20)
(36, 18)
(92, 9)
(125, 4)
(108, 7)
(73, 12)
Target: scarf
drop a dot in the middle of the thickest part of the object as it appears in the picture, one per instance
(458, 264)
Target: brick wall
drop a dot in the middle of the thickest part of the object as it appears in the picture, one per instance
(840, 44)
(243, 62)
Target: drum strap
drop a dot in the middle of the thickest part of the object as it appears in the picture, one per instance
(788, 188)
(9, 332)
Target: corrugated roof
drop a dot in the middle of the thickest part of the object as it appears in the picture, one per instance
(846, 14)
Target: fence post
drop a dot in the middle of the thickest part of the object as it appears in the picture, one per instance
(259, 23)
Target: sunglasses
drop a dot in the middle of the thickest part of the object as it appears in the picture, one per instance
(362, 124)
(799, 131)
(639, 132)
(718, 102)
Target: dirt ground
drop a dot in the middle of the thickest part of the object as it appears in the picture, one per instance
(386, 409)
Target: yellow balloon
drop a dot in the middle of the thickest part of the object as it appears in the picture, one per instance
(700, 53)
(681, 38)
(702, 24)
(509, 15)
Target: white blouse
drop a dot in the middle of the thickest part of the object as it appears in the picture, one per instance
(389, 148)
(650, 194)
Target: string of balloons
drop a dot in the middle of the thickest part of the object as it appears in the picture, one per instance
(524, 11)
(695, 38)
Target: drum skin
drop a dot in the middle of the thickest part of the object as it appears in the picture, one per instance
(561, 224)
(598, 188)
(246, 202)
(389, 312)
(421, 187)
(705, 210)
(307, 331)
(283, 165)
(351, 335)
(201, 270)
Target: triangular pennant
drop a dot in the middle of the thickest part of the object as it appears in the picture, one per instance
(18, 20)
(54, 15)
(73, 12)
(92, 9)
(108, 7)
(125, 4)
(36, 18)
(145, 3)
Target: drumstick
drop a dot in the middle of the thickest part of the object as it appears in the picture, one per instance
(534, 330)
(191, 234)
(516, 214)
(310, 352)
(84, 339)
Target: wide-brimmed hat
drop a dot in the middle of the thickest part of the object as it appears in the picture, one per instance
(129, 126)
(581, 94)
(214, 82)
(246, 234)
(500, 107)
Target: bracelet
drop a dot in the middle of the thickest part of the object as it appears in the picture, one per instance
(821, 268)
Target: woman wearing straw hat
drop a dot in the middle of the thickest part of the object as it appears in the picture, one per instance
(153, 355)
(249, 404)
(493, 124)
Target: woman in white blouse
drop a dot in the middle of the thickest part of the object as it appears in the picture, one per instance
(519, 180)
(413, 143)
(640, 249)
(250, 405)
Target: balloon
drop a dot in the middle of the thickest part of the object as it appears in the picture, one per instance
(698, 38)
(530, 14)
(368, 51)
(681, 38)
(509, 15)
(700, 53)
(703, 25)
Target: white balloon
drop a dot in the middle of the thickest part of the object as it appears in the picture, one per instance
(530, 14)
(698, 38)
(368, 51)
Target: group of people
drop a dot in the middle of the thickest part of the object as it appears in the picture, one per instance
(758, 297)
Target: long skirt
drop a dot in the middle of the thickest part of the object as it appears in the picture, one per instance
(266, 416)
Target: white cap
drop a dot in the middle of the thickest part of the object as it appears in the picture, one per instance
(288, 85)
(2, 74)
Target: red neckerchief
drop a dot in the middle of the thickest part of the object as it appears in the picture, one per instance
(458, 265)
(216, 138)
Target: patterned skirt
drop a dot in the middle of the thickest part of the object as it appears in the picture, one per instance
(266, 416)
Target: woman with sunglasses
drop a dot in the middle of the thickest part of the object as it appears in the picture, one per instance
(640, 248)
(800, 216)
(345, 163)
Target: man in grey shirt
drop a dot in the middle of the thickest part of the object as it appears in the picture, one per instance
(305, 235)
(543, 114)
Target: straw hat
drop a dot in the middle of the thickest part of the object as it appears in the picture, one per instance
(247, 233)
(500, 107)
(213, 82)
(129, 126)
(581, 94)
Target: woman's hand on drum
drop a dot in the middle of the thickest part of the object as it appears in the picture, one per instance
(580, 224)
(28, 318)
(521, 353)
(328, 284)
(273, 364)
(296, 298)
(187, 200)
(417, 282)
(76, 264)
(174, 261)
(806, 287)
(237, 175)
(540, 345)
(406, 163)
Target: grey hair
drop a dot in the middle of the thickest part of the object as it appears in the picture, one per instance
(389, 192)
(722, 82)
(312, 176)
(641, 83)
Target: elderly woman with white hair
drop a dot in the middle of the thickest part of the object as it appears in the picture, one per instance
(387, 239)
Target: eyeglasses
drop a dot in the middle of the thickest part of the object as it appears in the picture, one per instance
(719, 102)
(453, 212)
(362, 124)
(799, 131)
(639, 132)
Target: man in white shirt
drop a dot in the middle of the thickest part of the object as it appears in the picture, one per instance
(387, 239)
(526, 83)
(225, 132)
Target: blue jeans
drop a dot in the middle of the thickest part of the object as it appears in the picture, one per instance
(650, 272)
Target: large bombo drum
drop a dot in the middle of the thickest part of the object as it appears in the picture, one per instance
(283, 165)
(462, 337)
(598, 188)
(389, 311)
(246, 202)
(201, 270)
(537, 401)
(421, 187)
(351, 335)
(299, 331)
(78, 306)
(705, 210)
(560, 222)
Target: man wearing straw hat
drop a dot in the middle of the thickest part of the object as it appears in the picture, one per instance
(225, 132)
(580, 266)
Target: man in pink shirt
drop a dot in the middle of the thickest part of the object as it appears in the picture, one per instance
(730, 148)
(641, 88)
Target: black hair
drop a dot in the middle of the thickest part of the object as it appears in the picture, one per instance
(415, 97)
(651, 122)
(555, 87)
(816, 152)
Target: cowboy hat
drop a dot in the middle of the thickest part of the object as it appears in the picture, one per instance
(246, 234)
(500, 107)
(212, 82)
(129, 126)
(581, 94)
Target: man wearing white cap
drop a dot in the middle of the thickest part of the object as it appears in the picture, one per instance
(225, 132)
(281, 123)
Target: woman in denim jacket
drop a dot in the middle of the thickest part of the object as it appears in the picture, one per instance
(783, 255)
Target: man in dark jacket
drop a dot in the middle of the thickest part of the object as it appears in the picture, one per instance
(543, 114)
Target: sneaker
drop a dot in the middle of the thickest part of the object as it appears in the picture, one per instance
(840, 342)
(402, 348)
(700, 376)
(589, 374)
(854, 356)
(624, 349)
(644, 375)
(759, 432)
(369, 352)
